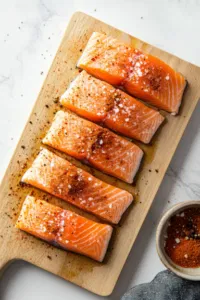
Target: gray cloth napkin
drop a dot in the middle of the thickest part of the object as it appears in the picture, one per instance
(165, 286)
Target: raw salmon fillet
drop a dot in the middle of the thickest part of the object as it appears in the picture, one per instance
(59, 177)
(141, 74)
(98, 101)
(64, 228)
(100, 147)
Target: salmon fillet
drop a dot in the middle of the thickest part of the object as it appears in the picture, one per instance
(141, 74)
(100, 147)
(98, 101)
(59, 177)
(64, 228)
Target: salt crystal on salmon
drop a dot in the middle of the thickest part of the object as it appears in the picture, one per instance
(141, 74)
(59, 177)
(64, 228)
(98, 101)
(100, 147)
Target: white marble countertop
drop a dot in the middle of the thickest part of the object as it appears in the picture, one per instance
(30, 33)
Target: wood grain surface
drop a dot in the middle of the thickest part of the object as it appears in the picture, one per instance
(15, 244)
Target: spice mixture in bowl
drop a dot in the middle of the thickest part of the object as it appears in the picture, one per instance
(178, 239)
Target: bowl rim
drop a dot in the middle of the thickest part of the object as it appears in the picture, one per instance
(162, 223)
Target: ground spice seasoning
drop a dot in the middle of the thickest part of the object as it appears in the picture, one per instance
(182, 242)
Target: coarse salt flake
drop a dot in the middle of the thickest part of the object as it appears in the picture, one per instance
(186, 256)
(62, 223)
(177, 240)
(90, 178)
(110, 205)
(139, 72)
(116, 110)
(101, 142)
(62, 214)
(127, 119)
(69, 186)
(167, 77)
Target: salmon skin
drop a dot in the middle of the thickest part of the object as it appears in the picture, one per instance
(59, 177)
(141, 74)
(100, 147)
(98, 101)
(64, 228)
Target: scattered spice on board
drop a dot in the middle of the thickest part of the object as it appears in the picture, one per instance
(56, 100)
(182, 242)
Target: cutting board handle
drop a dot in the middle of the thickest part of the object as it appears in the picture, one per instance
(4, 262)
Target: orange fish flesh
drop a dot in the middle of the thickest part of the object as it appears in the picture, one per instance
(98, 101)
(141, 74)
(60, 178)
(100, 147)
(64, 228)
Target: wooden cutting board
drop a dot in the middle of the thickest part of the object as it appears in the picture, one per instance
(78, 269)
